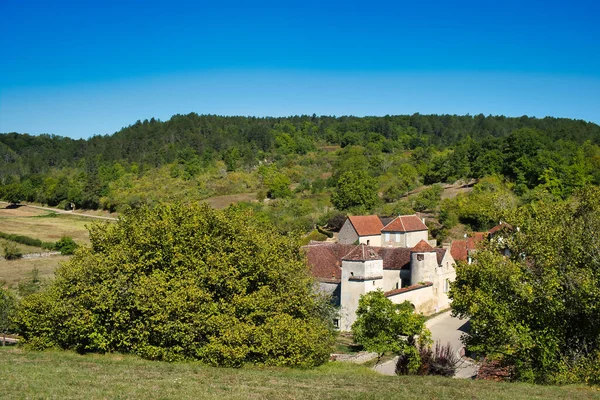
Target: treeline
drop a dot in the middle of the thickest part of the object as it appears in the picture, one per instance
(197, 156)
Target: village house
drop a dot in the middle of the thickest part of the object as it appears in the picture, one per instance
(403, 268)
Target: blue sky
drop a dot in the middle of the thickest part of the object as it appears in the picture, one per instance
(87, 67)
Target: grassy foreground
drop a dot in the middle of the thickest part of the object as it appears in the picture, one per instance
(65, 375)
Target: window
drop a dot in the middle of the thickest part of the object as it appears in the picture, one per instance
(446, 285)
(351, 273)
(386, 237)
(396, 285)
(420, 257)
(373, 283)
(397, 238)
(336, 323)
(368, 242)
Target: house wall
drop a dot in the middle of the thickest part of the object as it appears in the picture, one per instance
(391, 280)
(331, 289)
(370, 274)
(445, 272)
(347, 234)
(425, 270)
(403, 239)
(374, 240)
(423, 299)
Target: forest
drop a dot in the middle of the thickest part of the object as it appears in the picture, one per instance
(306, 170)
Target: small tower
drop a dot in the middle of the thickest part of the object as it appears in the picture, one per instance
(423, 261)
(362, 272)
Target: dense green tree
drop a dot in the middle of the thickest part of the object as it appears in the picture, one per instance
(355, 190)
(382, 326)
(537, 308)
(178, 282)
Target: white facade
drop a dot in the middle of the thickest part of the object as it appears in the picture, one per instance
(358, 278)
(403, 239)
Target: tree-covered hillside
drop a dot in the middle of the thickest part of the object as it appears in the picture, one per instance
(300, 161)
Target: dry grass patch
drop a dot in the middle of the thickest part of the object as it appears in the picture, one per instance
(13, 271)
(19, 211)
(220, 202)
(49, 229)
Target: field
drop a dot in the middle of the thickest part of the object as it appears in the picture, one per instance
(60, 375)
(11, 272)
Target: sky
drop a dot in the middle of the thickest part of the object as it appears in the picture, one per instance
(84, 68)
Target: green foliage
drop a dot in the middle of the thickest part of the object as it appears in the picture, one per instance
(382, 326)
(11, 251)
(314, 235)
(27, 240)
(179, 282)
(428, 199)
(31, 285)
(538, 308)
(8, 306)
(66, 245)
(355, 190)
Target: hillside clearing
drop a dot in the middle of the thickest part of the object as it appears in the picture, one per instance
(11, 272)
(57, 374)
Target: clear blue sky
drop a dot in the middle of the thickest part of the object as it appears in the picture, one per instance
(80, 68)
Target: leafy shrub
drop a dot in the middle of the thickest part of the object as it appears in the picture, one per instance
(12, 252)
(27, 240)
(179, 282)
(66, 245)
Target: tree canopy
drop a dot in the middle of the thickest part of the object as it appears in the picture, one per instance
(177, 282)
(537, 309)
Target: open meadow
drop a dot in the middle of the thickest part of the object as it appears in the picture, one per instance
(60, 374)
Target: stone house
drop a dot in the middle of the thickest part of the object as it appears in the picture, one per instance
(404, 231)
(420, 274)
(362, 229)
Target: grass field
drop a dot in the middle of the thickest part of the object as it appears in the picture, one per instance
(23, 248)
(11, 272)
(43, 225)
(65, 375)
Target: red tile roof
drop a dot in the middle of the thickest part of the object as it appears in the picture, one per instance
(501, 226)
(405, 223)
(422, 247)
(460, 249)
(366, 225)
(408, 289)
(362, 252)
(325, 259)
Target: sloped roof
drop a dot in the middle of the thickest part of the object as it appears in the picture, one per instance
(440, 255)
(460, 248)
(405, 223)
(422, 247)
(366, 225)
(499, 227)
(362, 252)
(407, 289)
(325, 260)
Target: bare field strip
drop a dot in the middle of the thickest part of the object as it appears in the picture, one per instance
(13, 271)
(48, 229)
(219, 202)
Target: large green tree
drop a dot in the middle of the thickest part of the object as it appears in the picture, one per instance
(355, 190)
(178, 282)
(538, 308)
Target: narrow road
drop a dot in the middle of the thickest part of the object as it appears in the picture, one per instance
(445, 329)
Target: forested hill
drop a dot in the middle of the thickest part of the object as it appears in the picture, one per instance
(212, 137)
(300, 161)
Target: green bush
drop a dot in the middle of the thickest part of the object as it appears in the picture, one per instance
(27, 240)
(12, 252)
(179, 282)
(66, 245)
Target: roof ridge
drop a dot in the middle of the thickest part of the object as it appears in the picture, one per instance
(402, 223)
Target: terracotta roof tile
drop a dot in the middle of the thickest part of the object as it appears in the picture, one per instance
(394, 258)
(422, 247)
(325, 260)
(366, 225)
(362, 252)
(405, 223)
(460, 249)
